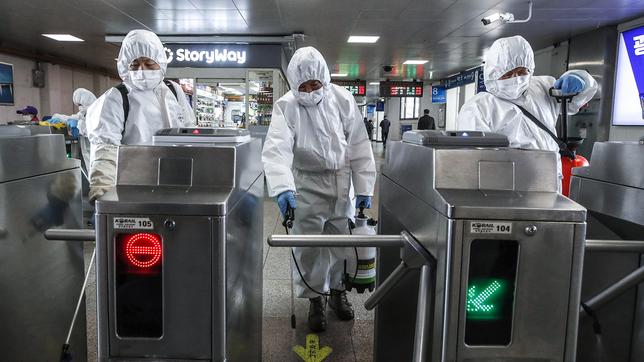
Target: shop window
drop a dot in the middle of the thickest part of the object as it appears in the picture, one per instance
(409, 108)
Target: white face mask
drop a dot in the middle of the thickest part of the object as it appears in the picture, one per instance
(310, 99)
(511, 88)
(27, 117)
(146, 79)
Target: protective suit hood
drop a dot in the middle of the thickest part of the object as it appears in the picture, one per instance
(307, 64)
(83, 97)
(140, 43)
(504, 55)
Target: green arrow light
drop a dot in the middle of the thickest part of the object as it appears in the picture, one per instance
(484, 298)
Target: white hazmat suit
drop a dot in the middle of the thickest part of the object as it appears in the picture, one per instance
(316, 145)
(490, 111)
(83, 98)
(151, 109)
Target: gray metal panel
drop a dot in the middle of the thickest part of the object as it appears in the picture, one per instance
(35, 155)
(613, 192)
(459, 168)
(595, 53)
(624, 203)
(424, 170)
(438, 138)
(40, 280)
(395, 316)
(243, 281)
(219, 175)
(167, 200)
(538, 332)
(212, 166)
(616, 162)
(497, 205)
(637, 342)
(187, 305)
(572, 330)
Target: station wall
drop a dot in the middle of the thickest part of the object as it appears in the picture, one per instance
(56, 96)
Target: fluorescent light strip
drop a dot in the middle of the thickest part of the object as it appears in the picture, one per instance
(415, 62)
(374, 83)
(62, 37)
(363, 39)
(339, 74)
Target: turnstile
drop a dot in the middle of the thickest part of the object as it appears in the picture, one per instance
(179, 252)
(40, 280)
(612, 189)
(507, 248)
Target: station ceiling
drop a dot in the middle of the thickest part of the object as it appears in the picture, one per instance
(448, 33)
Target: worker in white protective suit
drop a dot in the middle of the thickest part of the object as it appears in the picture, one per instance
(316, 146)
(83, 99)
(509, 65)
(132, 112)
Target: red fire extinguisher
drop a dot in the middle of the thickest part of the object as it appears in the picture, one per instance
(569, 156)
(569, 161)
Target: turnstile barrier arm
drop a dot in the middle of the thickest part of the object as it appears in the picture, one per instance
(618, 288)
(620, 246)
(70, 234)
(413, 256)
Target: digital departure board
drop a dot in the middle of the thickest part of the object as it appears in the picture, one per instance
(355, 87)
(401, 89)
(489, 306)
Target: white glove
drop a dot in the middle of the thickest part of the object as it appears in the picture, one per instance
(102, 174)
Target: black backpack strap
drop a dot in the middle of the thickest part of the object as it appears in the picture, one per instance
(563, 147)
(126, 103)
(172, 89)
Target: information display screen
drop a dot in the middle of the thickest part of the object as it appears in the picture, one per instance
(401, 89)
(489, 306)
(628, 99)
(355, 87)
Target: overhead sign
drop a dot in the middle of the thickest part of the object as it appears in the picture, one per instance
(462, 78)
(439, 94)
(224, 55)
(355, 87)
(401, 89)
(480, 81)
(634, 40)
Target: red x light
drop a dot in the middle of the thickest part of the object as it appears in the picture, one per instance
(142, 250)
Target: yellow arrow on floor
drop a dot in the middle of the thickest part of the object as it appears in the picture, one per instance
(312, 352)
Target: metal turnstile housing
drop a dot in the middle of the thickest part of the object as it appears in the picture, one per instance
(442, 196)
(40, 280)
(205, 203)
(612, 189)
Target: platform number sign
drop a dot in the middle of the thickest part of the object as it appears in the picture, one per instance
(439, 94)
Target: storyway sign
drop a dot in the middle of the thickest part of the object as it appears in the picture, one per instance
(202, 55)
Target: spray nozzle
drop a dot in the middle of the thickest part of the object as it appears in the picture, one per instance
(361, 210)
(289, 217)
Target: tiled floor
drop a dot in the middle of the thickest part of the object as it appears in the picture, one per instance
(349, 341)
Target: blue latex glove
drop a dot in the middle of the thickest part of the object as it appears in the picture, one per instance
(286, 198)
(570, 84)
(364, 200)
